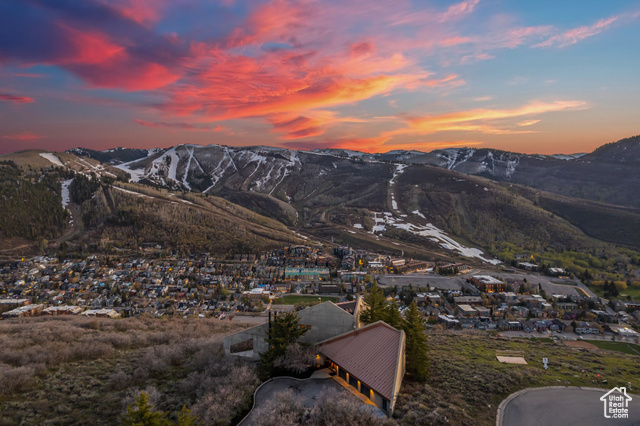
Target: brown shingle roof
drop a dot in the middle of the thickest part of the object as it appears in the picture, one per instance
(371, 353)
(348, 306)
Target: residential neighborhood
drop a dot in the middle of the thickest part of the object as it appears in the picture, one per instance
(254, 284)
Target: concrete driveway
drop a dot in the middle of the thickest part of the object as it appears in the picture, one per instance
(561, 406)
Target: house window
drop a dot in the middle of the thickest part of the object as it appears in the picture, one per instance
(353, 381)
(385, 404)
(365, 390)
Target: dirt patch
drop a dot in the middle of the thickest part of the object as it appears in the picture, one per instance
(584, 345)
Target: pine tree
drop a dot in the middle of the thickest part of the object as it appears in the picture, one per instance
(417, 360)
(392, 315)
(185, 418)
(285, 330)
(141, 413)
(375, 305)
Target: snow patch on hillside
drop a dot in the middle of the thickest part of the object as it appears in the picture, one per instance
(186, 170)
(52, 157)
(455, 156)
(429, 230)
(511, 166)
(568, 157)
(137, 194)
(66, 196)
(398, 171)
(173, 167)
(136, 174)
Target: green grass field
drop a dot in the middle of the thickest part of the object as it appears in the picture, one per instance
(292, 299)
(627, 348)
(634, 292)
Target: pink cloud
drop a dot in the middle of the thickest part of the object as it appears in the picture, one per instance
(8, 97)
(145, 12)
(180, 126)
(458, 10)
(451, 80)
(476, 58)
(454, 41)
(361, 49)
(575, 35)
(23, 136)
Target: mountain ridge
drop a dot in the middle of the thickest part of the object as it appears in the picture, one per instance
(609, 174)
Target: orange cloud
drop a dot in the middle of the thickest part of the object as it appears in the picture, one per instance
(313, 124)
(379, 145)
(234, 86)
(477, 120)
(528, 123)
(449, 121)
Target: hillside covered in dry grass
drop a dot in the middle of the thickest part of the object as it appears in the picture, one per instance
(71, 370)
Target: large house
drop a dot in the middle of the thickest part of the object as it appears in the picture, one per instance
(371, 359)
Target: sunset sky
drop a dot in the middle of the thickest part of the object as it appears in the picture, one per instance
(545, 76)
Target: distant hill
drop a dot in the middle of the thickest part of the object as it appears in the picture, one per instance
(625, 151)
(610, 174)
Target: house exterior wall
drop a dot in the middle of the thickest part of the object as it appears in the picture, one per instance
(257, 333)
(400, 372)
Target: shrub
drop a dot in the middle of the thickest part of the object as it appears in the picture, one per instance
(336, 407)
(284, 409)
(621, 285)
(14, 379)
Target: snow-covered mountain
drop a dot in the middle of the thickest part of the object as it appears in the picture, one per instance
(609, 174)
(328, 192)
(203, 168)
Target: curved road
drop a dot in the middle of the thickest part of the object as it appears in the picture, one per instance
(561, 406)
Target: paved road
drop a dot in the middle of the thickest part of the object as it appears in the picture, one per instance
(563, 406)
